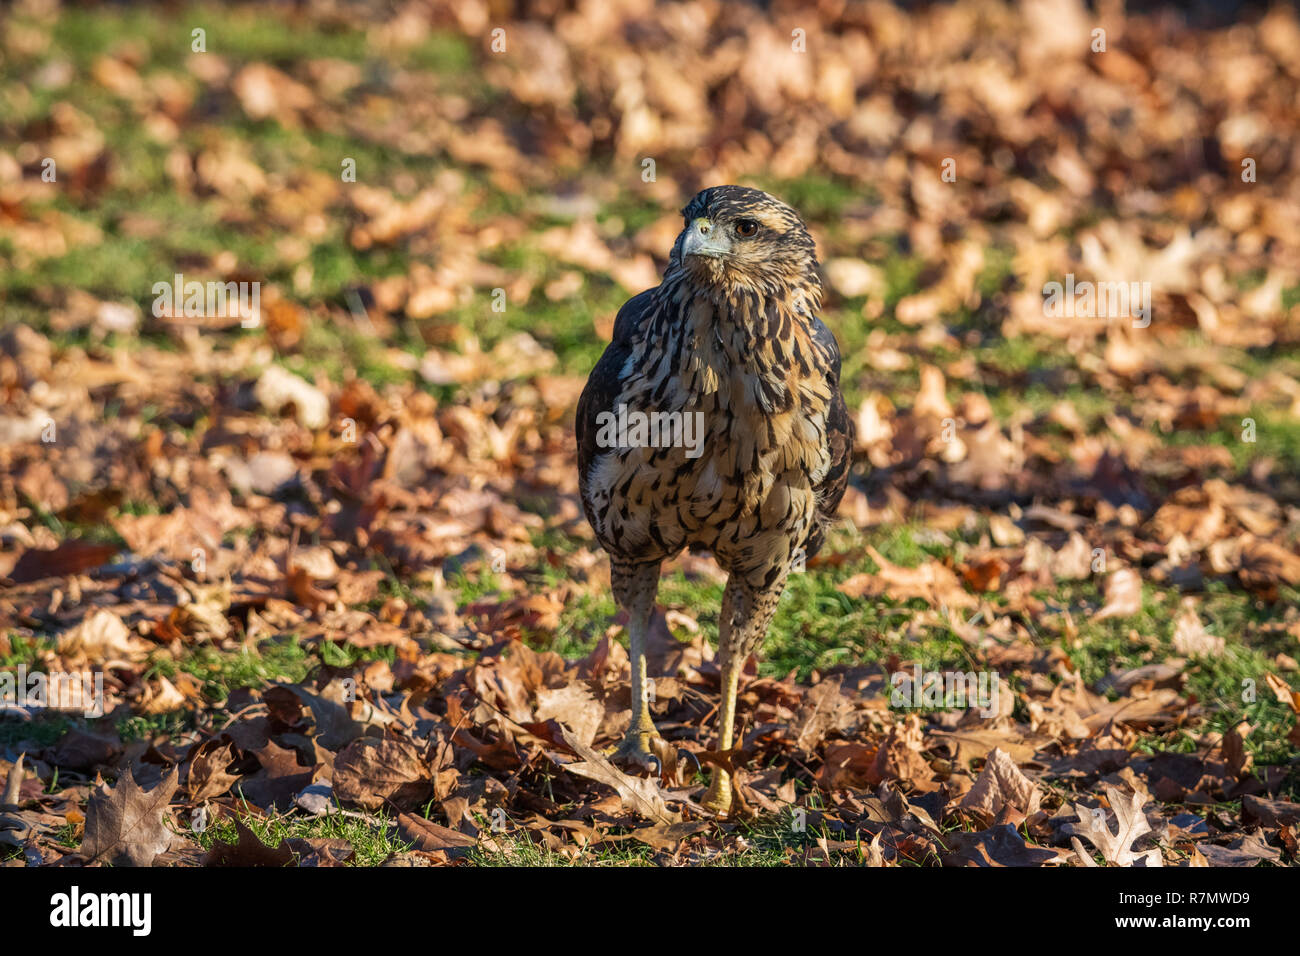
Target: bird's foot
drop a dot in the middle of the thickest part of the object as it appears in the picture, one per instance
(718, 797)
(639, 751)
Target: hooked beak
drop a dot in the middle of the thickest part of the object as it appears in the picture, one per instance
(703, 239)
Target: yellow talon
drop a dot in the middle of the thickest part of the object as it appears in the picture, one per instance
(718, 799)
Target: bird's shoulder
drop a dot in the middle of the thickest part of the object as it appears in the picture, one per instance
(824, 341)
(630, 316)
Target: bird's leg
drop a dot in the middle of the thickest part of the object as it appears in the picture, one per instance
(718, 798)
(635, 588)
(635, 749)
(747, 610)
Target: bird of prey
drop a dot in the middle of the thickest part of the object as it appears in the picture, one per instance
(739, 442)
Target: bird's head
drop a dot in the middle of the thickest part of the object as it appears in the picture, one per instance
(741, 238)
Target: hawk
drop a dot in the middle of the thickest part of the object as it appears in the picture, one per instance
(714, 421)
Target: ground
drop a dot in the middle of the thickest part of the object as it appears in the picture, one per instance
(356, 607)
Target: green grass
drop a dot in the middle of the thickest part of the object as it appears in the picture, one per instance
(124, 266)
(1277, 436)
(25, 650)
(155, 726)
(341, 352)
(221, 672)
(43, 731)
(765, 841)
(512, 850)
(818, 197)
(373, 840)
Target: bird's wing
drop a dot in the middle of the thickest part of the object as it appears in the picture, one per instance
(824, 340)
(839, 437)
(605, 383)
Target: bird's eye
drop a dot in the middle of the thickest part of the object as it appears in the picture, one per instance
(746, 228)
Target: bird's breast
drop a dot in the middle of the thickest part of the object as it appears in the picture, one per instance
(723, 434)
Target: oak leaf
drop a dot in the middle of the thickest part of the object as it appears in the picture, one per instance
(1116, 848)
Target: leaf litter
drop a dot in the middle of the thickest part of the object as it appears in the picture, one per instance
(408, 547)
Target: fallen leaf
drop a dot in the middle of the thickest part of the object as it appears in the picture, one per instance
(1190, 639)
(125, 825)
(934, 583)
(1117, 848)
(70, 557)
(824, 708)
(209, 777)
(996, 846)
(574, 706)
(1269, 813)
(1248, 850)
(666, 836)
(1123, 595)
(639, 794)
(432, 837)
(248, 851)
(320, 851)
(1000, 785)
(373, 771)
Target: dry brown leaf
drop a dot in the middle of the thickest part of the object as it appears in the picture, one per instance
(432, 837)
(999, 785)
(931, 581)
(1117, 848)
(372, 772)
(127, 826)
(70, 557)
(1123, 595)
(823, 709)
(666, 836)
(574, 706)
(249, 850)
(1190, 638)
(997, 846)
(208, 777)
(13, 783)
(102, 636)
(639, 794)
(1283, 692)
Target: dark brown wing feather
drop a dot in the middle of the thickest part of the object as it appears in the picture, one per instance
(839, 435)
(604, 385)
